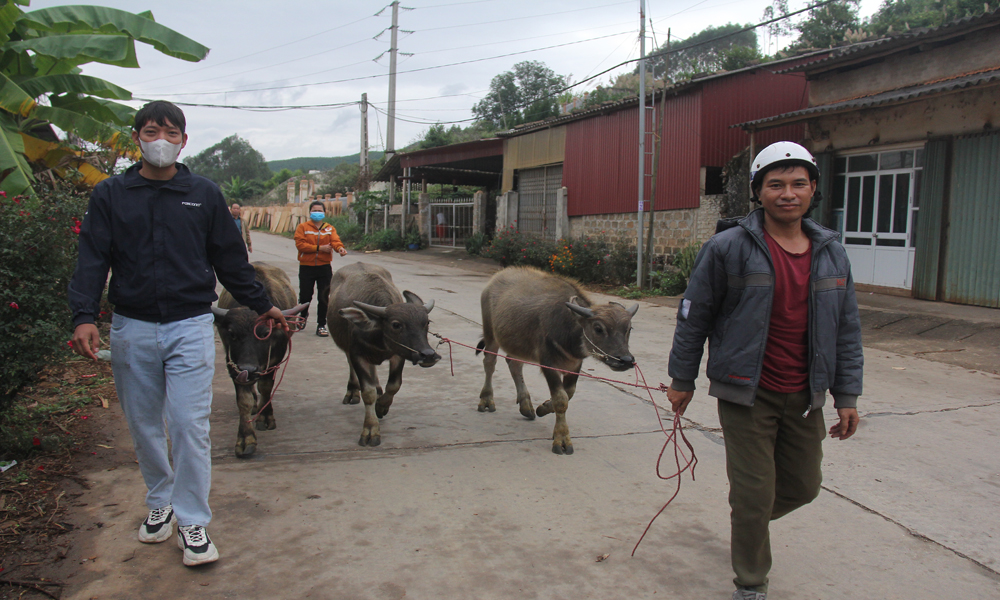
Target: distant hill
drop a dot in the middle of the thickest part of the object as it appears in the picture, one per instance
(318, 163)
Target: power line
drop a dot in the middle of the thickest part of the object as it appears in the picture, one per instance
(464, 62)
(260, 108)
(632, 60)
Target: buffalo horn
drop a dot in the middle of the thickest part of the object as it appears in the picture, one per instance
(294, 310)
(220, 313)
(580, 310)
(633, 309)
(378, 311)
(429, 305)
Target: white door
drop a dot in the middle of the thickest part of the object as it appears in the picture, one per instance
(875, 208)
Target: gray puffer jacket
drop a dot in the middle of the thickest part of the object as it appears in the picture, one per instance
(729, 298)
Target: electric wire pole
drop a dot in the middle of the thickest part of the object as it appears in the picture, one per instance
(364, 140)
(642, 141)
(390, 130)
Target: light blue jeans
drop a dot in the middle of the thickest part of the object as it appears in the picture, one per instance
(163, 372)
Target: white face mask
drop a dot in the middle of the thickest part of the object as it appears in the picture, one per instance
(160, 153)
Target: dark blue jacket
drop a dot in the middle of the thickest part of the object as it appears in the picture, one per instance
(728, 300)
(162, 245)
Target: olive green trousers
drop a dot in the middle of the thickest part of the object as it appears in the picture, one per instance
(773, 459)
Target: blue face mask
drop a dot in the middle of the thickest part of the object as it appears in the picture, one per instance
(317, 216)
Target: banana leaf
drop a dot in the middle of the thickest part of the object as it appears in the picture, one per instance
(9, 13)
(73, 84)
(14, 168)
(82, 125)
(80, 19)
(77, 49)
(99, 109)
(14, 99)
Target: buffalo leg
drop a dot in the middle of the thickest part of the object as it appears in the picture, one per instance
(246, 439)
(559, 402)
(353, 395)
(374, 375)
(396, 364)
(266, 420)
(370, 434)
(523, 397)
(489, 365)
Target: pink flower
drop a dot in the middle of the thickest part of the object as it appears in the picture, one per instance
(14, 305)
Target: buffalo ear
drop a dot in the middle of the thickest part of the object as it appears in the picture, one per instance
(415, 299)
(220, 314)
(358, 317)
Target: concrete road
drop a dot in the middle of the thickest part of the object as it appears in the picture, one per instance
(461, 504)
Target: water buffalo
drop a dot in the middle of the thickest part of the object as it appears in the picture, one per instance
(251, 361)
(372, 322)
(549, 320)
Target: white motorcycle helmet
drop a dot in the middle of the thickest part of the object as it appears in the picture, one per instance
(780, 154)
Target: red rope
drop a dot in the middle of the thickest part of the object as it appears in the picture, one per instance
(674, 436)
(295, 323)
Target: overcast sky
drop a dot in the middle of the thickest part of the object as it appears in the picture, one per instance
(308, 52)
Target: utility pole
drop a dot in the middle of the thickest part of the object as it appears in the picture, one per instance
(658, 136)
(390, 130)
(642, 140)
(364, 139)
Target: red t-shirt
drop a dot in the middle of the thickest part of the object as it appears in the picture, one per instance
(786, 357)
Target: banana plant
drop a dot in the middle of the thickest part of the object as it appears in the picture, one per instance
(41, 84)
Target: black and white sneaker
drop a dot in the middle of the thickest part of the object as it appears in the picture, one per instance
(158, 526)
(198, 548)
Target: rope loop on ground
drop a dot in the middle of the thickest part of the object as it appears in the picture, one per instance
(674, 437)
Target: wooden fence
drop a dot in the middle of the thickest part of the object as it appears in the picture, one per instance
(281, 219)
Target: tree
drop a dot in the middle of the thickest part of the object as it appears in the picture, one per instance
(703, 52)
(41, 54)
(342, 179)
(828, 26)
(233, 156)
(522, 95)
(895, 16)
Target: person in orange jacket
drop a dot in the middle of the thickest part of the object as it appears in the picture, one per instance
(316, 242)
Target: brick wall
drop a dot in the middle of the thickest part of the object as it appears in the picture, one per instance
(673, 229)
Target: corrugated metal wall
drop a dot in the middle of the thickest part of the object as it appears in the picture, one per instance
(972, 263)
(601, 171)
(540, 148)
(745, 97)
(930, 218)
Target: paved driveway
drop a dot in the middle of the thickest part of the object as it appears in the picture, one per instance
(461, 504)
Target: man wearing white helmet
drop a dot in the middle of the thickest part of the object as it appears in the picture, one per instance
(775, 298)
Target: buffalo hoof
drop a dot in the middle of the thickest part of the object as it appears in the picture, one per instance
(370, 440)
(265, 424)
(247, 451)
(352, 398)
(544, 408)
(558, 448)
(486, 404)
(381, 411)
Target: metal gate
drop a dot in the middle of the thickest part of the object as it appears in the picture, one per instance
(451, 221)
(536, 204)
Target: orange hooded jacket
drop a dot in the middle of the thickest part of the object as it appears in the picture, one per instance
(308, 239)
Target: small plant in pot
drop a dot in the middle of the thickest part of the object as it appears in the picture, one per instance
(413, 240)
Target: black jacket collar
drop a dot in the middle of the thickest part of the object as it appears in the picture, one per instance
(181, 181)
(820, 236)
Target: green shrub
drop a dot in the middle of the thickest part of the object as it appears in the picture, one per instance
(668, 283)
(413, 237)
(684, 260)
(474, 243)
(590, 260)
(38, 248)
(384, 239)
(510, 247)
(349, 233)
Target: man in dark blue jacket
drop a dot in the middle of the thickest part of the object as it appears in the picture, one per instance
(165, 234)
(775, 299)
